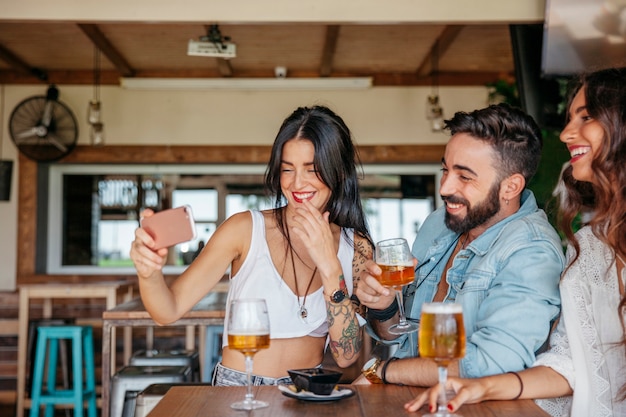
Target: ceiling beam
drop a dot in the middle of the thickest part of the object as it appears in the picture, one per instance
(380, 79)
(439, 48)
(328, 53)
(248, 154)
(112, 54)
(20, 66)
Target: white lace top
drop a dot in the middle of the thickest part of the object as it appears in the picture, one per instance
(583, 348)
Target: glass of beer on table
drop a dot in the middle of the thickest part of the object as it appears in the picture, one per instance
(248, 332)
(442, 338)
(394, 257)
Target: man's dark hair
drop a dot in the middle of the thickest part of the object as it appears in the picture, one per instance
(513, 134)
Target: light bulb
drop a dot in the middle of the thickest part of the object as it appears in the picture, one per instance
(434, 113)
(93, 112)
(97, 134)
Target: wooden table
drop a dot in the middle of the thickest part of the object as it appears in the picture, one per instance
(211, 310)
(368, 401)
(49, 291)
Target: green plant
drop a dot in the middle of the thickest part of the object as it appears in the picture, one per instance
(503, 91)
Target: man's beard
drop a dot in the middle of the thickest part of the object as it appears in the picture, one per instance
(475, 216)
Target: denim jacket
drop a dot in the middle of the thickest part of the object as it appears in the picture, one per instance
(506, 280)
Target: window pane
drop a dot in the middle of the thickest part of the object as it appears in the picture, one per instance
(114, 240)
(203, 203)
(236, 203)
(396, 217)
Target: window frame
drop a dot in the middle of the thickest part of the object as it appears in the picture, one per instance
(53, 230)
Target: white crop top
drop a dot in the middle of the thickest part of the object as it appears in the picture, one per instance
(258, 278)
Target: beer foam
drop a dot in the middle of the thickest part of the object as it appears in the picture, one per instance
(251, 332)
(442, 308)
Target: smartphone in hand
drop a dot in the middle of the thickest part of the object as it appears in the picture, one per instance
(170, 227)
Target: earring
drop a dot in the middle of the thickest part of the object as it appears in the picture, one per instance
(507, 202)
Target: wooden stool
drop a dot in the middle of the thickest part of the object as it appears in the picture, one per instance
(83, 389)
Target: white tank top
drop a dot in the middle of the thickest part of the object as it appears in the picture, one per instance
(258, 278)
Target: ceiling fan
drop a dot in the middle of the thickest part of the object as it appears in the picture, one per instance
(43, 128)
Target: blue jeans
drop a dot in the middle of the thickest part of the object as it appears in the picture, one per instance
(225, 377)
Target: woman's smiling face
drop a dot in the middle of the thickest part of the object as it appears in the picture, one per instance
(583, 136)
(299, 179)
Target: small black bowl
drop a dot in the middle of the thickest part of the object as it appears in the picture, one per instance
(319, 381)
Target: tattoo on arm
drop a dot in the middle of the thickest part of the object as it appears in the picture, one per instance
(350, 343)
(363, 250)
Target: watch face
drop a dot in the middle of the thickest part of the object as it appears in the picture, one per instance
(338, 296)
(369, 364)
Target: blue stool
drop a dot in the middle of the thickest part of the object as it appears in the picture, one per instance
(83, 389)
(213, 350)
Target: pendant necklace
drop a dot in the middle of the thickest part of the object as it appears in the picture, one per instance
(302, 311)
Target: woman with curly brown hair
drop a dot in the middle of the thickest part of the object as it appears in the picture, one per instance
(583, 373)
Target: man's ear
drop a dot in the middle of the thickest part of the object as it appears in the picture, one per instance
(513, 186)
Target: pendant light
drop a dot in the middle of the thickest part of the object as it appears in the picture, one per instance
(94, 111)
(434, 111)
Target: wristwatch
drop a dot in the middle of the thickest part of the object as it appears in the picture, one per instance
(338, 295)
(369, 371)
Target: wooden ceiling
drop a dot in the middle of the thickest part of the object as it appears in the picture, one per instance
(62, 52)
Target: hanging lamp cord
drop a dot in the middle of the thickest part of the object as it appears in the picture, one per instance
(96, 73)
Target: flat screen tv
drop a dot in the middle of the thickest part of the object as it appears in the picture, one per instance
(583, 35)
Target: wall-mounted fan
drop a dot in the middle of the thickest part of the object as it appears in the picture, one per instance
(43, 128)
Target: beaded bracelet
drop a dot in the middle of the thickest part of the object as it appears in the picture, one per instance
(519, 378)
(383, 315)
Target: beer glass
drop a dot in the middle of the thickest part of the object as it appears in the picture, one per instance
(395, 259)
(248, 332)
(442, 338)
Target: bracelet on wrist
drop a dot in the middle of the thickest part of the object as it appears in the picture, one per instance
(383, 315)
(383, 372)
(519, 378)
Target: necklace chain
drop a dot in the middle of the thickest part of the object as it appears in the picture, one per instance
(465, 240)
(302, 310)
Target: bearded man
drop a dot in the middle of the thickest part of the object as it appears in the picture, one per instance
(488, 248)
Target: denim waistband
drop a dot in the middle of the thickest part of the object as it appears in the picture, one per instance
(224, 377)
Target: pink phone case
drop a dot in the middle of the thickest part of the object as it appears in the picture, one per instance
(170, 227)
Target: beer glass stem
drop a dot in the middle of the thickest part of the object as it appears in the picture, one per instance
(443, 397)
(402, 316)
(249, 394)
